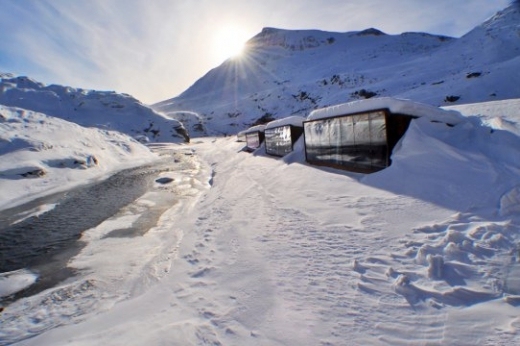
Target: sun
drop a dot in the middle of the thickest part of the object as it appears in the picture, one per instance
(228, 43)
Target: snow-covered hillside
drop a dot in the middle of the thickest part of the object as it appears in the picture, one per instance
(40, 154)
(284, 72)
(90, 108)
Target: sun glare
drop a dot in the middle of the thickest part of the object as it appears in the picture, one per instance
(229, 43)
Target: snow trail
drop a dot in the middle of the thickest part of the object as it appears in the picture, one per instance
(275, 264)
(334, 260)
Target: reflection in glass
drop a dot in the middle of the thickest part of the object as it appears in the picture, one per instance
(378, 140)
(278, 140)
(253, 140)
(357, 142)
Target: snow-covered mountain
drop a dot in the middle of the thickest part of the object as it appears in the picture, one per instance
(89, 108)
(287, 72)
(257, 250)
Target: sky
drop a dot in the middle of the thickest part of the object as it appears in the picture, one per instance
(156, 49)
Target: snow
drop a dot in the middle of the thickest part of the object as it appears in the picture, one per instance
(57, 154)
(510, 202)
(267, 251)
(257, 250)
(90, 108)
(15, 281)
(293, 120)
(293, 72)
(256, 128)
(472, 156)
(394, 105)
(497, 114)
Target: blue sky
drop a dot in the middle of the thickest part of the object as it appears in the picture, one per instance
(156, 49)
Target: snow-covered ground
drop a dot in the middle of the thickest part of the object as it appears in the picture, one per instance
(268, 251)
(41, 154)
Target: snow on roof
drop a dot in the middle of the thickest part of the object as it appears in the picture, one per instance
(394, 105)
(294, 120)
(256, 128)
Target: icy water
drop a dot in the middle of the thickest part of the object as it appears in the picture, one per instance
(36, 238)
(77, 253)
(43, 241)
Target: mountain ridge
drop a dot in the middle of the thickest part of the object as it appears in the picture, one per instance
(291, 72)
(90, 108)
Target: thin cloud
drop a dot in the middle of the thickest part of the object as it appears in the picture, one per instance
(156, 49)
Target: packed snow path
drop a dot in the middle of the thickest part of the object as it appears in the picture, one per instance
(320, 263)
(268, 258)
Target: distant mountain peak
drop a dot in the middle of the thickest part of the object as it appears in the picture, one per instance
(291, 39)
(510, 16)
(269, 31)
(291, 72)
(370, 32)
(6, 75)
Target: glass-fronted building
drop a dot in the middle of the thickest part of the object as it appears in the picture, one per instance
(280, 135)
(254, 137)
(360, 136)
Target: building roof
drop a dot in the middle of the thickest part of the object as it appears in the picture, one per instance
(294, 120)
(257, 128)
(394, 105)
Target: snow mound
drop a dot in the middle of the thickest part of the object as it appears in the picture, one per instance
(12, 282)
(394, 105)
(465, 167)
(510, 202)
(294, 120)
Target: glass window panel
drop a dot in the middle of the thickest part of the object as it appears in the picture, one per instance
(270, 141)
(312, 130)
(378, 128)
(361, 150)
(335, 144)
(325, 141)
(278, 140)
(253, 140)
(379, 143)
(348, 145)
(357, 142)
(347, 131)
